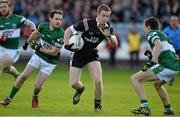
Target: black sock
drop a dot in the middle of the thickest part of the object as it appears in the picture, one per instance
(80, 90)
(167, 107)
(97, 103)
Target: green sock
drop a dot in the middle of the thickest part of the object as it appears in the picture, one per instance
(13, 92)
(144, 103)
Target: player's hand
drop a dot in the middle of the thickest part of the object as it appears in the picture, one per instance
(3, 38)
(69, 47)
(148, 65)
(105, 30)
(34, 45)
(148, 53)
(25, 45)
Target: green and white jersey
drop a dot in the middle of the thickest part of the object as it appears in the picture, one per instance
(10, 27)
(48, 40)
(167, 57)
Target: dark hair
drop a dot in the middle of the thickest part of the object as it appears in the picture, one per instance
(153, 22)
(51, 14)
(103, 7)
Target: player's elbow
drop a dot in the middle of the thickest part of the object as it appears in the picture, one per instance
(115, 44)
(54, 53)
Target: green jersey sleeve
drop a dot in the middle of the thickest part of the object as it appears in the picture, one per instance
(40, 27)
(152, 36)
(23, 21)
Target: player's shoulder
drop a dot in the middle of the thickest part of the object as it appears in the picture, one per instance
(44, 24)
(60, 30)
(90, 21)
(153, 33)
(17, 16)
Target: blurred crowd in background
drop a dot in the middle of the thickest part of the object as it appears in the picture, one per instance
(122, 10)
(126, 19)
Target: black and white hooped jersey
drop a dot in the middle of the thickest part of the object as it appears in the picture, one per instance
(90, 33)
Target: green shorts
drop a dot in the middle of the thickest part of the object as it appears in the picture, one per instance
(162, 73)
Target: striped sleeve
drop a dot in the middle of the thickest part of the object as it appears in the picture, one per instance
(152, 36)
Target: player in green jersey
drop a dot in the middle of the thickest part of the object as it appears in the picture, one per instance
(46, 55)
(10, 25)
(161, 68)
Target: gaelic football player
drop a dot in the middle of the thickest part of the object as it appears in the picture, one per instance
(93, 31)
(10, 26)
(163, 65)
(45, 58)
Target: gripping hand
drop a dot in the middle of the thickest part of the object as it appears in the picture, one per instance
(148, 53)
(148, 65)
(25, 45)
(34, 45)
(105, 30)
(69, 47)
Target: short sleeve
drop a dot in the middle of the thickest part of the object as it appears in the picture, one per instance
(152, 36)
(40, 27)
(23, 21)
(79, 26)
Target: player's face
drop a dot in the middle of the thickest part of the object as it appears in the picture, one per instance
(103, 17)
(146, 29)
(57, 20)
(4, 9)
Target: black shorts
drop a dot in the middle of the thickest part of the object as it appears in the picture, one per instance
(81, 58)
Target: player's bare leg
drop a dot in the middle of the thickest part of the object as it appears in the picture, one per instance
(18, 83)
(164, 97)
(75, 75)
(42, 77)
(5, 61)
(12, 70)
(96, 73)
(137, 80)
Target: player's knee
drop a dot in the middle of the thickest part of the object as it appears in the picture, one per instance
(157, 85)
(132, 78)
(23, 77)
(98, 81)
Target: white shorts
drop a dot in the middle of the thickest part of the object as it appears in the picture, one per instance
(41, 64)
(13, 53)
(162, 73)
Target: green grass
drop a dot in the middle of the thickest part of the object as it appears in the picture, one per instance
(56, 97)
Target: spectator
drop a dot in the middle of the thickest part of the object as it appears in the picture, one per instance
(173, 32)
(134, 38)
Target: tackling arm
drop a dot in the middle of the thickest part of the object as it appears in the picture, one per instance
(34, 35)
(53, 52)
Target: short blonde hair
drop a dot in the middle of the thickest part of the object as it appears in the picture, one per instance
(103, 7)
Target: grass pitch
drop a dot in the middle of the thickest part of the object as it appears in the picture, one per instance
(56, 97)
